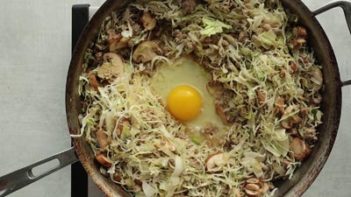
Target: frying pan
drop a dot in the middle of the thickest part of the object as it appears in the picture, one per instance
(304, 176)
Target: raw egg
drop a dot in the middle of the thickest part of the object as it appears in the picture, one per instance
(184, 102)
(182, 87)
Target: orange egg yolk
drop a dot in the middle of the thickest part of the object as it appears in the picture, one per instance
(184, 102)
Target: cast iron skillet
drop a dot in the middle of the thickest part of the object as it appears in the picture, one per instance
(304, 176)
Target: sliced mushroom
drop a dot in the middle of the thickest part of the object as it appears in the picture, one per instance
(255, 187)
(166, 146)
(286, 124)
(243, 35)
(279, 104)
(112, 66)
(266, 26)
(299, 149)
(317, 77)
(215, 163)
(93, 82)
(252, 180)
(252, 189)
(148, 21)
(103, 160)
(145, 51)
(102, 138)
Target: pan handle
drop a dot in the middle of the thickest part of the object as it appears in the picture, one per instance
(346, 7)
(22, 177)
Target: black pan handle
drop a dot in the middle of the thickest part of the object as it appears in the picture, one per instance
(22, 177)
(346, 7)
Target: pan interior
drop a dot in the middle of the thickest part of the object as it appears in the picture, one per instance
(331, 104)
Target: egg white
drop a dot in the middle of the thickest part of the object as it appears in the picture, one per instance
(185, 71)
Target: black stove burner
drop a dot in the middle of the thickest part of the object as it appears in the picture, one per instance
(79, 178)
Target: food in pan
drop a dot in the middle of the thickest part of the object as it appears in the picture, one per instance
(200, 98)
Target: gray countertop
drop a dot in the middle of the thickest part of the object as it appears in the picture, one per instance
(35, 45)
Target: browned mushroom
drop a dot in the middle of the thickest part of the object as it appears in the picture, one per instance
(112, 66)
(255, 187)
(279, 104)
(148, 21)
(252, 189)
(146, 51)
(103, 160)
(93, 82)
(299, 148)
(286, 124)
(317, 77)
(102, 138)
(295, 119)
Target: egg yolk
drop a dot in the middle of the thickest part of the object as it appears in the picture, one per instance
(184, 102)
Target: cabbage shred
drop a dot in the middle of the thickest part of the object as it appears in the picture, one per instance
(251, 49)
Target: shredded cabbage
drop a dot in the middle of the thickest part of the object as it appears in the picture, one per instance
(213, 26)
